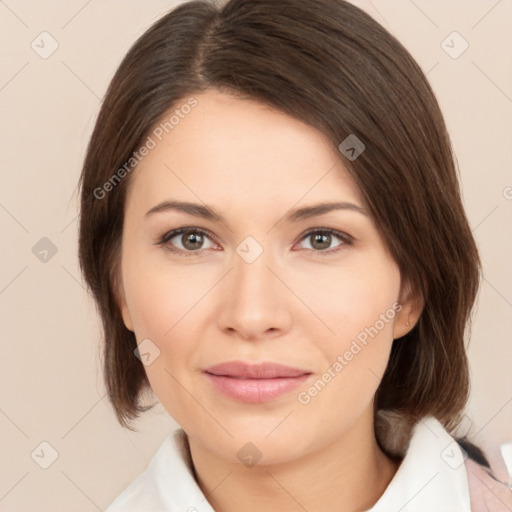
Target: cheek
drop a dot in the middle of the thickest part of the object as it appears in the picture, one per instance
(158, 304)
(351, 298)
(358, 309)
(165, 304)
(160, 296)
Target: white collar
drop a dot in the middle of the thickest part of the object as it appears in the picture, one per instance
(431, 478)
(432, 475)
(168, 483)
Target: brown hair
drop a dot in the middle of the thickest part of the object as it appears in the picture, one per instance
(332, 66)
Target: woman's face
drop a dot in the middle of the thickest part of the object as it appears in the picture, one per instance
(270, 282)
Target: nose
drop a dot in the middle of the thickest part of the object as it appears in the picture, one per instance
(256, 304)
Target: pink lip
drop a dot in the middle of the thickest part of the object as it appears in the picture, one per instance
(257, 382)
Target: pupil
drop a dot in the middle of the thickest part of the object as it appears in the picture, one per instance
(323, 239)
(192, 241)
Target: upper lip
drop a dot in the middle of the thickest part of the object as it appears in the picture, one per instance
(260, 370)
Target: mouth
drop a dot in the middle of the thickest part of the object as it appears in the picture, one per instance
(255, 383)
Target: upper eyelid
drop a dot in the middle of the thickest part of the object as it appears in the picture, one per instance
(169, 235)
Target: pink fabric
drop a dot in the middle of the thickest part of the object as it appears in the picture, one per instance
(486, 494)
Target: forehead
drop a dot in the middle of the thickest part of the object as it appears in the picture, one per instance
(233, 151)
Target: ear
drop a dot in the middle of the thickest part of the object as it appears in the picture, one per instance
(121, 301)
(412, 305)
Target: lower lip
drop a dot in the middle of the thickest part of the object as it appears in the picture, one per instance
(256, 390)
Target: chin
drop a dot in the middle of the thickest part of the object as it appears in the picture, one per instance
(266, 440)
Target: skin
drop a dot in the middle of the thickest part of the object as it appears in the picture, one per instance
(292, 305)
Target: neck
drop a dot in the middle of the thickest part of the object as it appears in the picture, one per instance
(348, 475)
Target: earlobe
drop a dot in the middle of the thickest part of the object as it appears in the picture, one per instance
(126, 316)
(407, 317)
(121, 301)
(404, 322)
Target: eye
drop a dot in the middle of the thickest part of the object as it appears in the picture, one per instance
(187, 241)
(321, 239)
(190, 241)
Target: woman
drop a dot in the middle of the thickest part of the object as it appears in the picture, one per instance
(272, 228)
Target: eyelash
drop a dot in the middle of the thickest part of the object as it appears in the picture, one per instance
(346, 239)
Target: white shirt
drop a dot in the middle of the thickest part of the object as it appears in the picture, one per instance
(432, 477)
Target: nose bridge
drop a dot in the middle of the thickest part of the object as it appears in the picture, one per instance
(252, 277)
(255, 299)
(251, 267)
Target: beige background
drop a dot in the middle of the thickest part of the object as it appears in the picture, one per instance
(51, 387)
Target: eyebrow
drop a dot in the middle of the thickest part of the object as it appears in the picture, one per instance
(293, 216)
